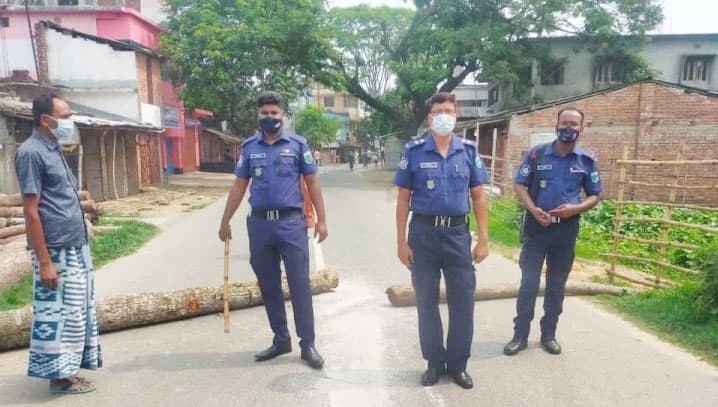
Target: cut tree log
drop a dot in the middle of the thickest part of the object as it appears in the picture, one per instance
(403, 296)
(131, 311)
(11, 212)
(3, 222)
(16, 199)
(15, 262)
(12, 231)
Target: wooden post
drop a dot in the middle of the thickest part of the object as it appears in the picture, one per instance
(669, 213)
(477, 135)
(79, 165)
(138, 152)
(616, 220)
(114, 163)
(103, 167)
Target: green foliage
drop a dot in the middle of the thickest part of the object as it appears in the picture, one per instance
(670, 313)
(315, 127)
(227, 51)
(504, 221)
(706, 304)
(130, 236)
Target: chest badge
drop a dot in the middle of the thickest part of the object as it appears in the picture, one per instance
(543, 184)
(430, 184)
(258, 172)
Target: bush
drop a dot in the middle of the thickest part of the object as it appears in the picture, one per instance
(706, 304)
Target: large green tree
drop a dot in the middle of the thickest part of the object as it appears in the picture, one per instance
(226, 51)
(318, 129)
(447, 41)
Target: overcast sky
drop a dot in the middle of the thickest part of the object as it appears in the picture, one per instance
(681, 16)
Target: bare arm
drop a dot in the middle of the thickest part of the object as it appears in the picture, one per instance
(236, 194)
(481, 214)
(33, 225)
(315, 192)
(402, 216)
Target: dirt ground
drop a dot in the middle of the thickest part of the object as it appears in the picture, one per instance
(162, 202)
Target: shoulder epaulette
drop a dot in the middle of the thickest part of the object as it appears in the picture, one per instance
(415, 143)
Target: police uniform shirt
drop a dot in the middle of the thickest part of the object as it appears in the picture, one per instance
(440, 186)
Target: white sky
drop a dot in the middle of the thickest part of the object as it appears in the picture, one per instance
(681, 16)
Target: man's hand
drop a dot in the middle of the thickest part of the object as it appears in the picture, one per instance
(565, 211)
(480, 252)
(406, 256)
(48, 275)
(542, 217)
(320, 229)
(225, 232)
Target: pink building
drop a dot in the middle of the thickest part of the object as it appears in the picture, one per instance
(118, 20)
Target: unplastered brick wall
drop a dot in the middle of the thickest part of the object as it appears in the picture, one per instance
(149, 81)
(653, 121)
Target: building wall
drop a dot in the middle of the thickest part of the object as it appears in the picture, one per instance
(128, 25)
(652, 120)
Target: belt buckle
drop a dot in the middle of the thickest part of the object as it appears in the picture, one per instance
(273, 214)
(442, 221)
(555, 219)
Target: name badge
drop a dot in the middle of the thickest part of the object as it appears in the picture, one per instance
(429, 165)
(286, 154)
(253, 156)
(547, 167)
(577, 171)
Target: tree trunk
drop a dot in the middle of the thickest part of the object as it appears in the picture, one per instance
(403, 296)
(130, 311)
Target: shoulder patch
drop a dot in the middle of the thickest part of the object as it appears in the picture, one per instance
(298, 138)
(468, 142)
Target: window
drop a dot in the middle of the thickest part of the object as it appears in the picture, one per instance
(328, 101)
(552, 75)
(695, 67)
(608, 72)
(351, 102)
(4, 22)
(493, 95)
(68, 2)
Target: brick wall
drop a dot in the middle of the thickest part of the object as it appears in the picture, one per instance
(41, 53)
(652, 120)
(188, 150)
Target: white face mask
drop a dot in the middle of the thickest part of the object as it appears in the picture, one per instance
(442, 124)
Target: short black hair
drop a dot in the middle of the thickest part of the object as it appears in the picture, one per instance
(442, 97)
(43, 104)
(269, 97)
(569, 109)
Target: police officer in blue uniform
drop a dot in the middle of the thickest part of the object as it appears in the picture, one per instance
(436, 176)
(273, 160)
(554, 174)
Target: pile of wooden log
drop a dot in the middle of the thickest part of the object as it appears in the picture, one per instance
(15, 260)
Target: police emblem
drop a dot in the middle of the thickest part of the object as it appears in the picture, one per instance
(478, 162)
(543, 184)
(430, 184)
(258, 172)
(525, 170)
(594, 177)
(404, 163)
(308, 157)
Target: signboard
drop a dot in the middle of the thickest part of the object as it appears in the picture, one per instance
(170, 117)
(192, 123)
(151, 114)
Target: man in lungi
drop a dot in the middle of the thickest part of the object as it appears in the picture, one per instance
(64, 335)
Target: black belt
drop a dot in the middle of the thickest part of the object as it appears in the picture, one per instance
(439, 221)
(276, 214)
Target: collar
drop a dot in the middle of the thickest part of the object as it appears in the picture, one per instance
(50, 144)
(552, 151)
(455, 145)
(282, 136)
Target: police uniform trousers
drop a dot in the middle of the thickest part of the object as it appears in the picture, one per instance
(272, 241)
(446, 249)
(557, 245)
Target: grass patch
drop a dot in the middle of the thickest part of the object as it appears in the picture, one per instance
(605, 280)
(504, 222)
(130, 236)
(670, 314)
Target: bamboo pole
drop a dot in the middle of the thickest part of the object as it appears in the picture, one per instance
(225, 292)
(658, 243)
(702, 228)
(630, 279)
(650, 184)
(674, 205)
(493, 157)
(669, 214)
(616, 218)
(666, 163)
(651, 261)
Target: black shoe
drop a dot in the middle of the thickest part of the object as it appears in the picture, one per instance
(551, 346)
(515, 346)
(431, 376)
(463, 379)
(273, 351)
(312, 357)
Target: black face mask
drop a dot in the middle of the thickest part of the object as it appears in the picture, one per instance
(270, 125)
(567, 135)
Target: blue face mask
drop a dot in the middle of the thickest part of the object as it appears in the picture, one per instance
(567, 135)
(270, 125)
(65, 132)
